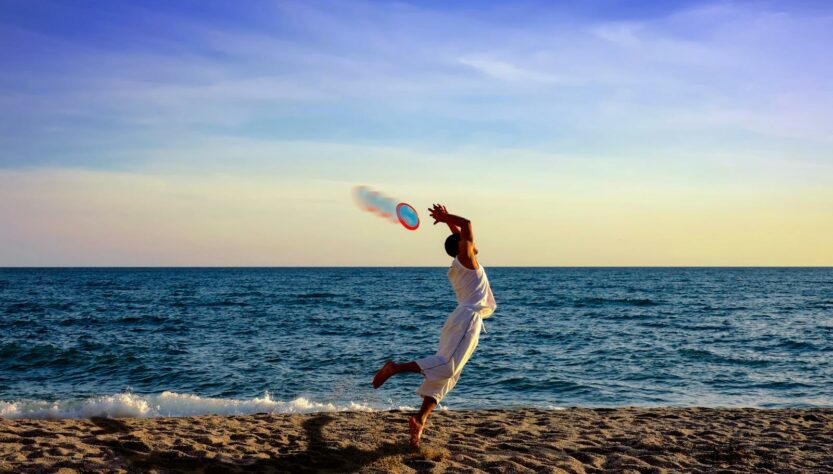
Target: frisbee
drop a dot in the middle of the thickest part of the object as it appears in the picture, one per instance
(407, 215)
(386, 207)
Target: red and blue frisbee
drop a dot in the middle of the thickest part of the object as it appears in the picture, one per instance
(407, 215)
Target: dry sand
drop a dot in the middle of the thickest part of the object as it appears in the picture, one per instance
(522, 440)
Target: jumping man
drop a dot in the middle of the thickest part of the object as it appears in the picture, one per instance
(461, 331)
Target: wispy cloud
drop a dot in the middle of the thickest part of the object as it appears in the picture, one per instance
(509, 72)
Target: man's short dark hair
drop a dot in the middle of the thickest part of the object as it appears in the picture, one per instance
(452, 245)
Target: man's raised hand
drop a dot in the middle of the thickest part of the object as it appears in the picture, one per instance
(438, 213)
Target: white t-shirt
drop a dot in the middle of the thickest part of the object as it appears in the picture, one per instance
(472, 288)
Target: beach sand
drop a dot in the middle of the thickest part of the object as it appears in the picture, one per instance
(519, 440)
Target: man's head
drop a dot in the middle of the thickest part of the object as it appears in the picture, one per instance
(452, 245)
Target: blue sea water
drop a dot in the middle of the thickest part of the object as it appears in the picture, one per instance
(146, 342)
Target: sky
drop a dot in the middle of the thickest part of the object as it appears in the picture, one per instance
(218, 133)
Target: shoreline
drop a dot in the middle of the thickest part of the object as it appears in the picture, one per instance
(514, 440)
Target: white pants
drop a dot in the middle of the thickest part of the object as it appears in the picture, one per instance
(458, 340)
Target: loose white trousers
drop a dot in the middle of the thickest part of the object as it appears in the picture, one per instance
(458, 339)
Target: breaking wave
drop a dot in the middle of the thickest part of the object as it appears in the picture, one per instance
(131, 405)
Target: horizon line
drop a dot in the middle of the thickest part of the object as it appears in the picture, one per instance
(266, 267)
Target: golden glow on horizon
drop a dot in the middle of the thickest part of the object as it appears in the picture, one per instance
(76, 217)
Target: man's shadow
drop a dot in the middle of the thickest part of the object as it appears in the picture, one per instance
(320, 455)
(110, 425)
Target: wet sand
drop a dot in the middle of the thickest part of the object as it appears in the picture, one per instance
(520, 440)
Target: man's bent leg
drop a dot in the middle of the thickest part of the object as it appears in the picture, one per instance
(408, 367)
(392, 368)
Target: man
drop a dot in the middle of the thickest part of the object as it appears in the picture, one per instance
(461, 331)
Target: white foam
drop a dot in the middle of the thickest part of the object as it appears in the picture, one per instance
(170, 404)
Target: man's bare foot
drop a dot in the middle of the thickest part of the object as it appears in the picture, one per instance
(383, 374)
(415, 428)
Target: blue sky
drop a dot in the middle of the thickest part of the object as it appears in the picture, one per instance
(624, 94)
(94, 83)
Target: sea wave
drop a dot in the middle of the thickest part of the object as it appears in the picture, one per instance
(594, 301)
(131, 405)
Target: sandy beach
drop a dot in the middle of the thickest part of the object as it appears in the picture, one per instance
(521, 440)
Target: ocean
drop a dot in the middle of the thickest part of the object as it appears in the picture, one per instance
(192, 341)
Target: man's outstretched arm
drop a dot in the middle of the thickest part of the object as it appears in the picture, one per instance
(457, 224)
(467, 253)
